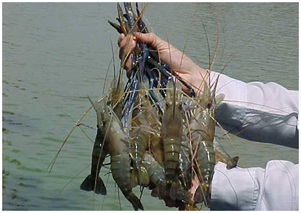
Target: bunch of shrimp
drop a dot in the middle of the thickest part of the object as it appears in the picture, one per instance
(156, 135)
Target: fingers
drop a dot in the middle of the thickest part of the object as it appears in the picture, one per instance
(126, 45)
(167, 53)
(151, 39)
(120, 38)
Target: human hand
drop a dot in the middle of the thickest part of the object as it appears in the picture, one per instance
(175, 59)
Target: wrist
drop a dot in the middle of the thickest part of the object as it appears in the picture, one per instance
(199, 77)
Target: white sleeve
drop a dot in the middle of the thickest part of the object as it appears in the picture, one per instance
(258, 110)
(274, 188)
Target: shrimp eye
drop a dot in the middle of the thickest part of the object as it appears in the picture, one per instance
(209, 105)
(167, 104)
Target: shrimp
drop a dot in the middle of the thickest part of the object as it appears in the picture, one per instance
(143, 123)
(184, 168)
(156, 174)
(171, 130)
(139, 134)
(157, 177)
(155, 171)
(93, 181)
(202, 126)
(179, 190)
(117, 146)
(177, 193)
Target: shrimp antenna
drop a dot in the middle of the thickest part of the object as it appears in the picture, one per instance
(208, 45)
(217, 41)
(65, 186)
(51, 164)
(113, 57)
(79, 125)
(187, 38)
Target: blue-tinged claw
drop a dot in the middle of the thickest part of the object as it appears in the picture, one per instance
(144, 56)
(129, 104)
(155, 64)
(130, 16)
(152, 84)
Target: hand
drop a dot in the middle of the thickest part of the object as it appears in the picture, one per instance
(175, 59)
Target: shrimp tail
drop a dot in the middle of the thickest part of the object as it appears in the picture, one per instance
(234, 162)
(135, 201)
(155, 192)
(178, 193)
(223, 156)
(89, 185)
(199, 195)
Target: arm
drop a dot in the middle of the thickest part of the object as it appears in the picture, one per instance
(273, 188)
(259, 112)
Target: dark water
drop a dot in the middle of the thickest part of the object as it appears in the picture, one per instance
(55, 54)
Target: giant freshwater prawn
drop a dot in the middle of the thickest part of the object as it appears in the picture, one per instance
(133, 127)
